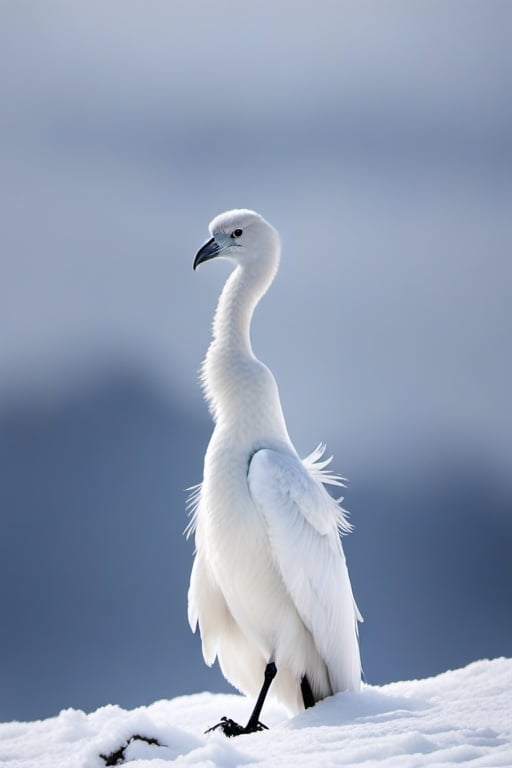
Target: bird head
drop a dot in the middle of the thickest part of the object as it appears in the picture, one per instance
(243, 237)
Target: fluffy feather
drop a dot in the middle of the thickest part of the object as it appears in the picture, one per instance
(269, 580)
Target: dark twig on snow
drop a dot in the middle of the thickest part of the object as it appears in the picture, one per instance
(117, 757)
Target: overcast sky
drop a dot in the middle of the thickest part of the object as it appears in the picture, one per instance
(374, 136)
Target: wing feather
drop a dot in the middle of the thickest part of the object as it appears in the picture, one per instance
(303, 521)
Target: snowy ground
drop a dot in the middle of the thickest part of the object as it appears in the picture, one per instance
(459, 717)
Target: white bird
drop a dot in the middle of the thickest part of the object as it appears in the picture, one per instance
(269, 587)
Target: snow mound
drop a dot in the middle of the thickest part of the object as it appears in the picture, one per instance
(459, 717)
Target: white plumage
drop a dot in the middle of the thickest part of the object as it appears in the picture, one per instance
(269, 581)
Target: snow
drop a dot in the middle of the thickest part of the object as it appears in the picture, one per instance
(458, 717)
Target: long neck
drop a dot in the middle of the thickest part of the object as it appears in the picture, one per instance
(232, 322)
(229, 371)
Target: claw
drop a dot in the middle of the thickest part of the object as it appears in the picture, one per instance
(229, 728)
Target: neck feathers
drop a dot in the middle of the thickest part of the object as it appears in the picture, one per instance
(230, 354)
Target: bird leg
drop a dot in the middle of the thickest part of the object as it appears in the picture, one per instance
(307, 693)
(230, 728)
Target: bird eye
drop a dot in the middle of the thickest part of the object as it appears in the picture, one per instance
(237, 233)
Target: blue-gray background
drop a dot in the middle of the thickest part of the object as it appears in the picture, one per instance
(377, 137)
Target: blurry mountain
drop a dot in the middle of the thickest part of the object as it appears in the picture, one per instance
(94, 567)
(430, 564)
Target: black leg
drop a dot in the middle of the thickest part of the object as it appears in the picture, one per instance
(307, 693)
(230, 728)
(270, 673)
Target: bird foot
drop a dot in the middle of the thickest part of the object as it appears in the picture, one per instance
(230, 728)
(118, 756)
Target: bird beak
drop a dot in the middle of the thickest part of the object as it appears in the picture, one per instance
(207, 252)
